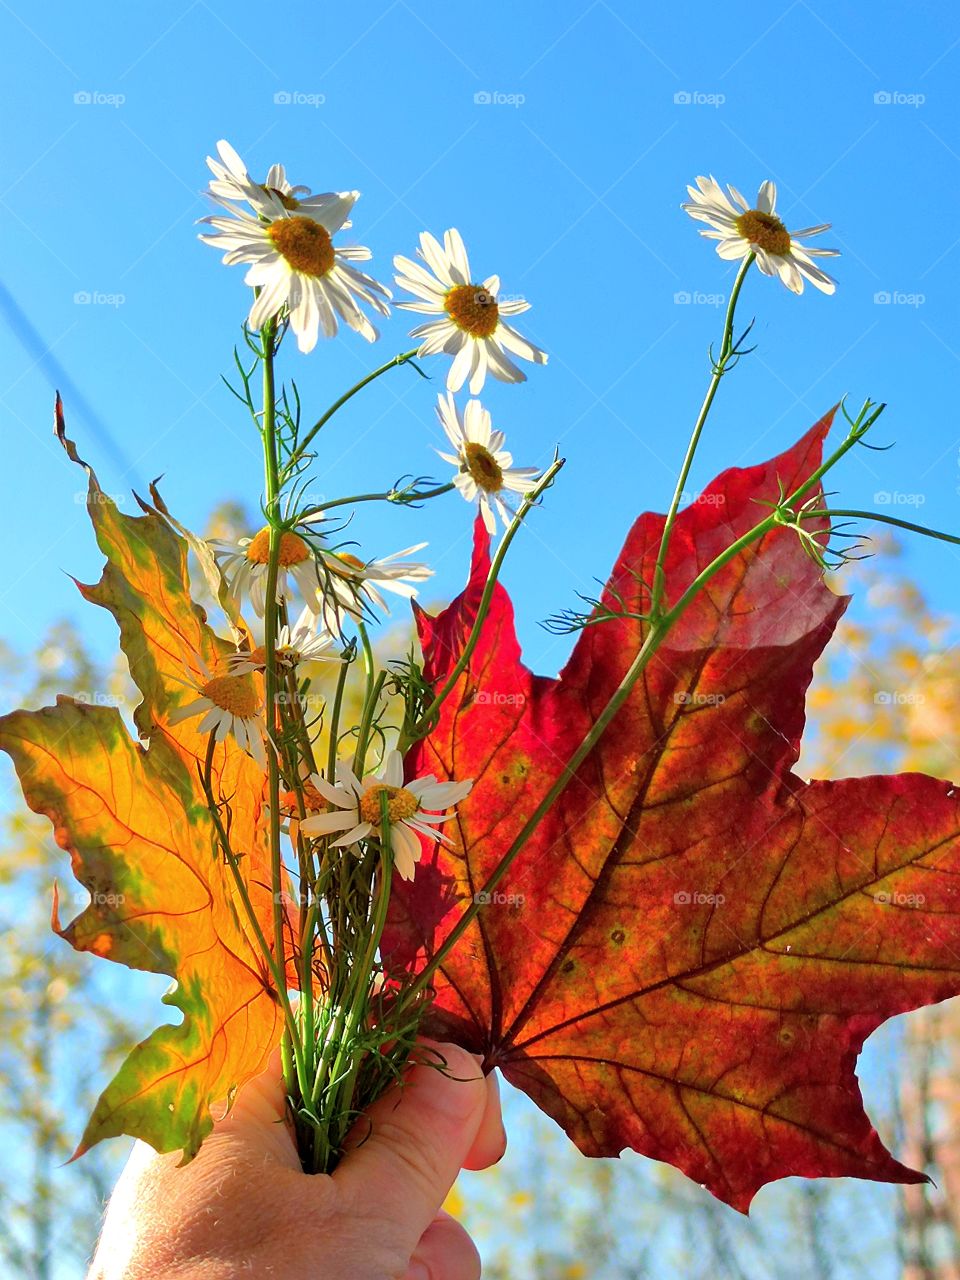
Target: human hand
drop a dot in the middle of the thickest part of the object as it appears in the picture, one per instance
(243, 1207)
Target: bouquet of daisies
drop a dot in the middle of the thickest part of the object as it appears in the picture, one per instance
(577, 879)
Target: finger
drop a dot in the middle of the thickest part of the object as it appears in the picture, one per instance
(261, 1100)
(491, 1140)
(445, 1252)
(406, 1152)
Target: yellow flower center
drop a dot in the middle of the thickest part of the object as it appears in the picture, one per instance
(472, 309)
(352, 567)
(304, 243)
(235, 694)
(483, 467)
(258, 656)
(401, 803)
(313, 801)
(293, 550)
(289, 202)
(765, 230)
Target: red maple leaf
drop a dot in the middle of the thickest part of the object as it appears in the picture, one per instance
(687, 956)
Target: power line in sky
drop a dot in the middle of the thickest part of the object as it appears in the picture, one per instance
(79, 406)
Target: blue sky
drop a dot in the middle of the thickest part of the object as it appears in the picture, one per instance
(559, 138)
(567, 183)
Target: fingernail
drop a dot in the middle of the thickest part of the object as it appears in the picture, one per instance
(418, 1271)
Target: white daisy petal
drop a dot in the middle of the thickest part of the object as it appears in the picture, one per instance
(291, 259)
(351, 837)
(519, 345)
(392, 771)
(456, 256)
(472, 330)
(483, 467)
(406, 850)
(325, 824)
(432, 253)
(459, 370)
(767, 197)
(758, 231)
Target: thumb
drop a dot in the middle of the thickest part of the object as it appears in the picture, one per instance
(408, 1148)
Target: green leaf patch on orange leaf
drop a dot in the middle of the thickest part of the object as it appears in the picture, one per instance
(687, 956)
(135, 822)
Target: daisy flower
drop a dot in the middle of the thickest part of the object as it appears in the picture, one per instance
(229, 704)
(302, 642)
(740, 230)
(352, 586)
(295, 267)
(484, 468)
(313, 803)
(415, 809)
(232, 183)
(472, 328)
(244, 567)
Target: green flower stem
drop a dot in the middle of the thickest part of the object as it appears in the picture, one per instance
(727, 351)
(423, 724)
(334, 729)
(306, 977)
(833, 513)
(659, 630)
(231, 860)
(346, 1064)
(374, 687)
(399, 497)
(291, 1048)
(321, 422)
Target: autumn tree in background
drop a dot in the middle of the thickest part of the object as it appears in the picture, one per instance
(59, 1014)
(888, 697)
